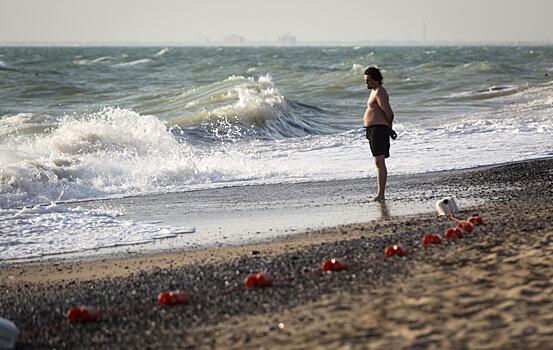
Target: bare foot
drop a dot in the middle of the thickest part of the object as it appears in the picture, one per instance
(379, 199)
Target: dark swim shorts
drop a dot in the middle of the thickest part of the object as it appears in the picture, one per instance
(379, 139)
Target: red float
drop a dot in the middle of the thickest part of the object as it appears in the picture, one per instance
(453, 232)
(431, 238)
(466, 226)
(258, 280)
(396, 249)
(334, 265)
(251, 280)
(83, 314)
(475, 220)
(174, 297)
(264, 279)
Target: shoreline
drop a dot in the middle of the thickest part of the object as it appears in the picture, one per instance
(287, 214)
(492, 289)
(174, 246)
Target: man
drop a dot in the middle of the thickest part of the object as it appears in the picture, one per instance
(377, 121)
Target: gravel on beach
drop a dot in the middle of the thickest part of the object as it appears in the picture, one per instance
(491, 289)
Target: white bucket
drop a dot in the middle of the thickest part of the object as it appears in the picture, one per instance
(8, 334)
(447, 205)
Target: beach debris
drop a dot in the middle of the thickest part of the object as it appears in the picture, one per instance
(396, 249)
(476, 220)
(447, 206)
(334, 265)
(453, 232)
(83, 313)
(258, 280)
(431, 238)
(173, 297)
(465, 226)
(8, 334)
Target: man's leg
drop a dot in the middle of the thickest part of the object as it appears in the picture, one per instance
(381, 176)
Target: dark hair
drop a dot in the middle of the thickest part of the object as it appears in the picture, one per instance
(374, 73)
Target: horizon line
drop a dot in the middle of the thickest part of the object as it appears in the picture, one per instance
(274, 43)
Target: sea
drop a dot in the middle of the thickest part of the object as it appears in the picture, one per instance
(82, 123)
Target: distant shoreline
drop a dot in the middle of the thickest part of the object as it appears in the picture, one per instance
(276, 45)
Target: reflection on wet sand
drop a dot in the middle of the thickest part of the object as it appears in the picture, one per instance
(384, 211)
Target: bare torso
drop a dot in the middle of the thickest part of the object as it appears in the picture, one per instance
(374, 114)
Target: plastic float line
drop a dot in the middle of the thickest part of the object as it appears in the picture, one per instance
(120, 312)
(117, 312)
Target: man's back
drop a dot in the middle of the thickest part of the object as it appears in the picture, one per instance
(375, 114)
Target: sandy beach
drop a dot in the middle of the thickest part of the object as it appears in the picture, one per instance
(492, 289)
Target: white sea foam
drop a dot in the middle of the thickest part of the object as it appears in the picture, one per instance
(255, 101)
(162, 52)
(119, 152)
(243, 104)
(357, 68)
(133, 63)
(92, 61)
(54, 229)
(25, 123)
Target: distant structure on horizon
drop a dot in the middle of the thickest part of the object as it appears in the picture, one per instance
(287, 40)
(234, 40)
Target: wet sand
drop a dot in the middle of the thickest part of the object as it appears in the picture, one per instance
(492, 289)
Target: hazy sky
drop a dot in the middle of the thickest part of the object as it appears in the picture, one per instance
(180, 21)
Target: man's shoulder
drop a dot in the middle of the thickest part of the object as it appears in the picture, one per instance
(381, 91)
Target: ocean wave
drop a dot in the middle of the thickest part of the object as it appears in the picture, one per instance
(102, 59)
(81, 157)
(483, 94)
(120, 152)
(244, 107)
(434, 65)
(536, 94)
(357, 68)
(133, 63)
(117, 151)
(23, 124)
(335, 82)
(6, 67)
(161, 52)
(531, 97)
(478, 67)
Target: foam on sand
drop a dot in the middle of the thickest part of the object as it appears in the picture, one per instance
(54, 229)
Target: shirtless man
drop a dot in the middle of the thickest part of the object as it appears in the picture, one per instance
(377, 121)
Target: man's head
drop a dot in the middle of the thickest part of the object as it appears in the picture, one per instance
(373, 77)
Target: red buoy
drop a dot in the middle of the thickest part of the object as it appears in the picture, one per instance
(431, 238)
(334, 265)
(264, 279)
(453, 232)
(251, 280)
(83, 314)
(396, 249)
(466, 226)
(475, 220)
(259, 280)
(174, 297)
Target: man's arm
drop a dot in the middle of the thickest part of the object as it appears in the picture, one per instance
(384, 103)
